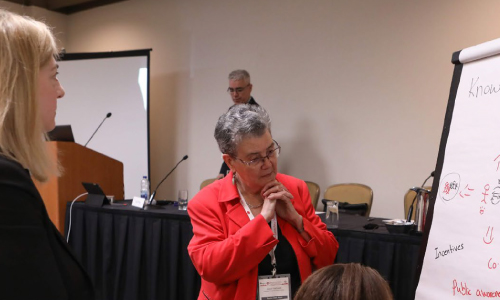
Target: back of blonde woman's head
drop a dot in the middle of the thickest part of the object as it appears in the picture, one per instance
(345, 282)
(26, 45)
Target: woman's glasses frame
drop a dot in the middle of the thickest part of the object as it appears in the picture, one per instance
(273, 153)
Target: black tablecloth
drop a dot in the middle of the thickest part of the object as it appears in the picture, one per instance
(134, 254)
(394, 256)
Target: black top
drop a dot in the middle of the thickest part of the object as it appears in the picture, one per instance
(252, 101)
(35, 260)
(286, 262)
(224, 169)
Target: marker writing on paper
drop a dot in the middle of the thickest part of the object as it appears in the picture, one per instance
(492, 265)
(452, 249)
(465, 191)
(449, 186)
(462, 289)
(495, 195)
(488, 238)
(486, 294)
(476, 90)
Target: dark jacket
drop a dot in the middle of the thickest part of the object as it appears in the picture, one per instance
(35, 260)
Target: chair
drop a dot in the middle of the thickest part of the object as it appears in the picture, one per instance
(353, 193)
(409, 196)
(314, 192)
(207, 182)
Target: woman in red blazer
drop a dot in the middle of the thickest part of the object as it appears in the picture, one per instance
(244, 220)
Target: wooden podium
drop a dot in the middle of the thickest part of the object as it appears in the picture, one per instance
(79, 164)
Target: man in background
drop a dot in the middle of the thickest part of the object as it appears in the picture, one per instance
(240, 87)
(240, 90)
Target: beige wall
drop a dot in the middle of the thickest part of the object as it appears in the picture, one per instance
(357, 89)
(55, 20)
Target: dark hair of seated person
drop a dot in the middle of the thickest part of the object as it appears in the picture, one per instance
(345, 282)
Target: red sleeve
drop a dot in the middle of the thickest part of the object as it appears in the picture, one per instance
(220, 257)
(323, 247)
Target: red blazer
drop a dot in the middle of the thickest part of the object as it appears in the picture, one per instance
(227, 247)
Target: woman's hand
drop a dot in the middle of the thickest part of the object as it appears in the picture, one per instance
(275, 191)
(268, 209)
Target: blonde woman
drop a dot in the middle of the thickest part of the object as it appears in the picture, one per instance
(35, 261)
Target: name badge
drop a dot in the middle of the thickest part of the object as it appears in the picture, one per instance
(274, 288)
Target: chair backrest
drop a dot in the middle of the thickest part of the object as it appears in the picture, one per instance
(353, 193)
(314, 192)
(409, 196)
(207, 182)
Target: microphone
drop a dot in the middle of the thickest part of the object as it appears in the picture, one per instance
(150, 201)
(410, 210)
(107, 116)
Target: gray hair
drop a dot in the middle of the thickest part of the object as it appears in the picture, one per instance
(239, 122)
(239, 75)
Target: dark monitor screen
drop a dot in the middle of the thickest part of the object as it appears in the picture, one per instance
(96, 196)
(93, 188)
(62, 133)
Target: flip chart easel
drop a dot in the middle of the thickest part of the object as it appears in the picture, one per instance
(460, 254)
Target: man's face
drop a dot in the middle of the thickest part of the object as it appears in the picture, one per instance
(240, 91)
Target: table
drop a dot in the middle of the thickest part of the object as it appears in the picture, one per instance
(134, 254)
(394, 256)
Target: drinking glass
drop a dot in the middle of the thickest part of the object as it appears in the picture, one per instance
(332, 214)
(182, 199)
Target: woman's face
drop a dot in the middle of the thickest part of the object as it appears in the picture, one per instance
(48, 91)
(255, 177)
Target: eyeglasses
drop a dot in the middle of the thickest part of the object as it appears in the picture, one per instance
(237, 90)
(258, 162)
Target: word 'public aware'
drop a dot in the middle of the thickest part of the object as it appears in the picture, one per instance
(463, 290)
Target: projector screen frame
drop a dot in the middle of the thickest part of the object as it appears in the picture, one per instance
(63, 56)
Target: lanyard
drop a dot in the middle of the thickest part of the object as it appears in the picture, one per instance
(274, 228)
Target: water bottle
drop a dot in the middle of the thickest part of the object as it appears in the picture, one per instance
(145, 188)
(332, 214)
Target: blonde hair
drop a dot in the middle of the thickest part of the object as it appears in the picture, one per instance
(26, 45)
(345, 282)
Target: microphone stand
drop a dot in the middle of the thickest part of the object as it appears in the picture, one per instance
(150, 205)
(107, 116)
